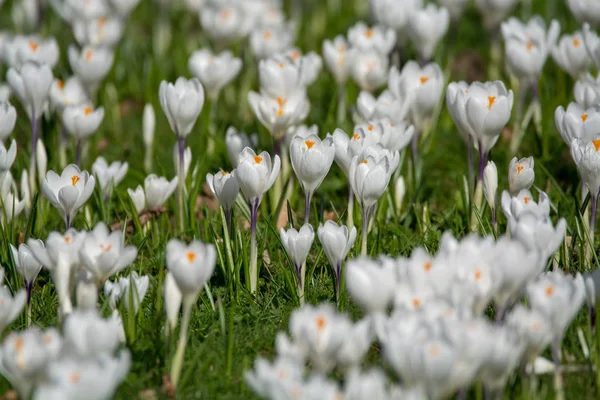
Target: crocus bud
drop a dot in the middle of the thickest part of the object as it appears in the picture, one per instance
(42, 159)
(256, 174)
(311, 160)
(399, 192)
(571, 56)
(82, 121)
(8, 118)
(25, 193)
(520, 174)
(86, 291)
(148, 125)
(426, 27)
(31, 84)
(214, 70)
(173, 297)
(224, 187)
(181, 102)
(191, 265)
(187, 159)
(138, 198)
(587, 91)
(370, 174)
(490, 184)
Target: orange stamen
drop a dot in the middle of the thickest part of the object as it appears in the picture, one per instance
(75, 179)
(257, 159)
(491, 101)
(309, 143)
(191, 256)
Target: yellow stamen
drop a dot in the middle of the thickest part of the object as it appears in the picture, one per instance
(423, 79)
(529, 46)
(477, 274)
(427, 266)
(33, 45)
(295, 55)
(309, 143)
(576, 42)
(549, 290)
(526, 200)
(370, 128)
(19, 344)
(596, 144)
(105, 248)
(356, 136)
(491, 101)
(257, 159)
(101, 22)
(584, 117)
(519, 169)
(87, 111)
(191, 256)
(369, 33)
(224, 173)
(434, 350)
(74, 180)
(364, 161)
(225, 13)
(60, 85)
(67, 239)
(321, 323)
(267, 35)
(75, 377)
(88, 55)
(416, 303)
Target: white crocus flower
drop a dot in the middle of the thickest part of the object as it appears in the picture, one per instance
(587, 91)
(527, 46)
(7, 159)
(69, 92)
(10, 306)
(181, 102)
(587, 158)
(103, 253)
(371, 284)
(226, 22)
(79, 333)
(27, 265)
(91, 64)
(395, 15)
(82, 121)
(370, 69)
(133, 290)
(370, 174)
(224, 186)
(271, 379)
(426, 27)
(268, 41)
(214, 70)
(280, 77)
(256, 174)
(8, 119)
(278, 114)
(191, 266)
(377, 38)
(577, 122)
(585, 11)
(591, 40)
(31, 84)
(172, 297)
(311, 160)
(533, 327)
(297, 244)
(520, 174)
(105, 31)
(571, 56)
(339, 58)
(36, 49)
(157, 191)
(138, 198)
(337, 241)
(236, 142)
(109, 176)
(69, 191)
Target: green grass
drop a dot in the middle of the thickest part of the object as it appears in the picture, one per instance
(134, 81)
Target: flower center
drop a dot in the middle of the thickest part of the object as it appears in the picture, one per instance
(295, 55)
(105, 248)
(477, 274)
(529, 46)
(321, 323)
(364, 161)
(60, 84)
(87, 111)
(309, 143)
(369, 33)
(225, 13)
(596, 144)
(434, 350)
(576, 42)
(33, 45)
(267, 35)
(427, 266)
(519, 169)
(257, 159)
(281, 102)
(75, 179)
(75, 377)
(416, 303)
(88, 55)
(549, 290)
(223, 173)
(356, 136)
(19, 344)
(370, 128)
(67, 239)
(191, 256)
(423, 79)
(584, 117)
(526, 200)
(491, 101)
(101, 22)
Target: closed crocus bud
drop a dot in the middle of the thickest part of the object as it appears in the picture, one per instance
(337, 241)
(8, 118)
(490, 184)
(41, 159)
(371, 283)
(571, 56)
(31, 84)
(91, 64)
(138, 198)
(494, 11)
(104, 254)
(214, 70)
(172, 297)
(585, 11)
(68, 191)
(86, 291)
(148, 125)
(236, 142)
(266, 42)
(11, 205)
(399, 192)
(190, 265)
(587, 159)
(187, 159)
(422, 86)
(577, 122)
(339, 58)
(70, 92)
(181, 102)
(426, 27)
(105, 31)
(224, 187)
(36, 49)
(559, 297)
(370, 174)
(527, 46)
(27, 265)
(158, 190)
(109, 176)
(278, 114)
(456, 104)
(520, 174)
(297, 244)
(311, 160)
(587, 91)
(25, 191)
(134, 288)
(376, 38)
(592, 44)
(7, 159)
(256, 174)
(370, 69)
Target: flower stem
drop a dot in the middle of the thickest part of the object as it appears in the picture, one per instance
(470, 164)
(78, 150)
(188, 302)
(307, 199)
(33, 165)
(181, 183)
(300, 274)
(337, 274)
(593, 220)
(350, 211)
(253, 247)
(226, 220)
(365, 230)
(341, 105)
(558, 380)
(62, 146)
